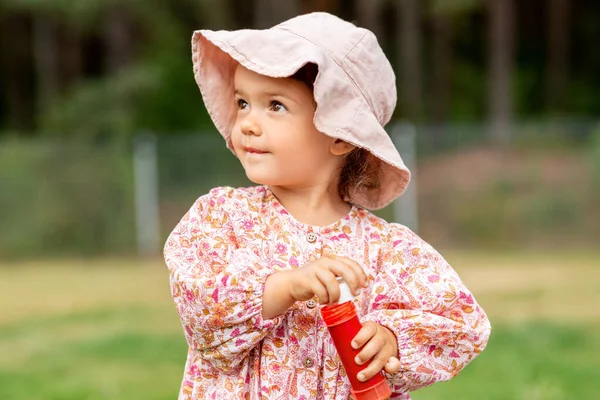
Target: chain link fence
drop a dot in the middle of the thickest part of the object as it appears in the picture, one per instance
(70, 199)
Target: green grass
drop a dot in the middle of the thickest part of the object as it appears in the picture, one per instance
(103, 354)
(529, 361)
(110, 331)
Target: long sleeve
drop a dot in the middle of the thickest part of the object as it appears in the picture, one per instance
(216, 285)
(439, 326)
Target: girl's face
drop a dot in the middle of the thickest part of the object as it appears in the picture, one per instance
(274, 135)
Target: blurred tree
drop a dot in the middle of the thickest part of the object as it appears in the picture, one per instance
(331, 6)
(125, 65)
(16, 63)
(241, 14)
(367, 14)
(409, 62)
(118, 38)
(46, 53)
(213, 14)
(442, 56)
(136, 57)
(500, 58)
(558, 54)
(72, 57)
(271, 12)
(445, 16)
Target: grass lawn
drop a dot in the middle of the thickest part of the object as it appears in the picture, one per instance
(108, 330)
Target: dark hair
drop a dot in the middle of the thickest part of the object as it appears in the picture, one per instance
(360, 168)
(307, 75)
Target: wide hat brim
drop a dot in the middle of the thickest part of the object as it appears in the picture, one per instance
(345, 108)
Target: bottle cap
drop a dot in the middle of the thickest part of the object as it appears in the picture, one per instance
(345, 293)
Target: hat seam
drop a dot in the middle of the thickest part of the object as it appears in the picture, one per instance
(338, 64)
(386, 115)
(353, 47)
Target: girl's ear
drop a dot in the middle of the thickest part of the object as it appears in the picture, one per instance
(339, 147)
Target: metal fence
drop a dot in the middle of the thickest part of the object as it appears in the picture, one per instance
(66, 199)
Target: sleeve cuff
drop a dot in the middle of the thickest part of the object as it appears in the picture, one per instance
(400, 328)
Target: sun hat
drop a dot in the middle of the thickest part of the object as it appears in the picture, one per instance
(354, 90)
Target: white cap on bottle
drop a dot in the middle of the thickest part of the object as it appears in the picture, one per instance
(345, 293)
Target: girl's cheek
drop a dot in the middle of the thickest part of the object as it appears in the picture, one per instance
(235, 134)
(235, 139)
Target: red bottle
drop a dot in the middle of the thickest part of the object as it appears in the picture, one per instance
(343, 324)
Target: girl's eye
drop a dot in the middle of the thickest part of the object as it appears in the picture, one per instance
(277, 106)
(241, 104)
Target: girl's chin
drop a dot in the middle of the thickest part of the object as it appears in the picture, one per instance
(261, 179)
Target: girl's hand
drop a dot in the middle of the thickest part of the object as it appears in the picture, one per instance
(320, 278)
(380, 349)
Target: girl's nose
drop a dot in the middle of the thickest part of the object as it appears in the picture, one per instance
(250, 126)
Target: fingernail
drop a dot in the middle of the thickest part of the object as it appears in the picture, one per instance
(354, 345)
(357, 360)
(361, 377)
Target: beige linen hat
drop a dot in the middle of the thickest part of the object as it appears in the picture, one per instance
(354, 89)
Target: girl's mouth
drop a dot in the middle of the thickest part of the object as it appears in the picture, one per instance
(252, 150)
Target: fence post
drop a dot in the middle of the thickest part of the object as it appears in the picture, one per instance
(145, 170)
(404, 136)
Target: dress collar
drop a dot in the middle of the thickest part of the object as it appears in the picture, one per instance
(334, 229)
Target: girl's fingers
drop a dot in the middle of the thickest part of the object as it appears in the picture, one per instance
(374, 367)
(330, 284)
(360, 273)
(353, 273)
(370, 350)
(374, 352)
(320, 291)
(368, 330)
(392, 366)
(333, 266)
(338, 269)
(320, 278)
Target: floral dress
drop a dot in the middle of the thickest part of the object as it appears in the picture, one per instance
(220, 255)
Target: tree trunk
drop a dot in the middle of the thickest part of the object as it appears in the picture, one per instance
(367, 12)
(331, 6)
(242, 16)
(558, 54)
(409, 39)
(16, 74)
(501, 49)
(268, 13)
(72, 57)
(45, 49)
(218, 14)
(442, 66)
(119, 41)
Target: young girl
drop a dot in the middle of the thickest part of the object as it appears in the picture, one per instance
(303, 105)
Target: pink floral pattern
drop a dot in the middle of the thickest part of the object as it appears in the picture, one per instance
(220, 255)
